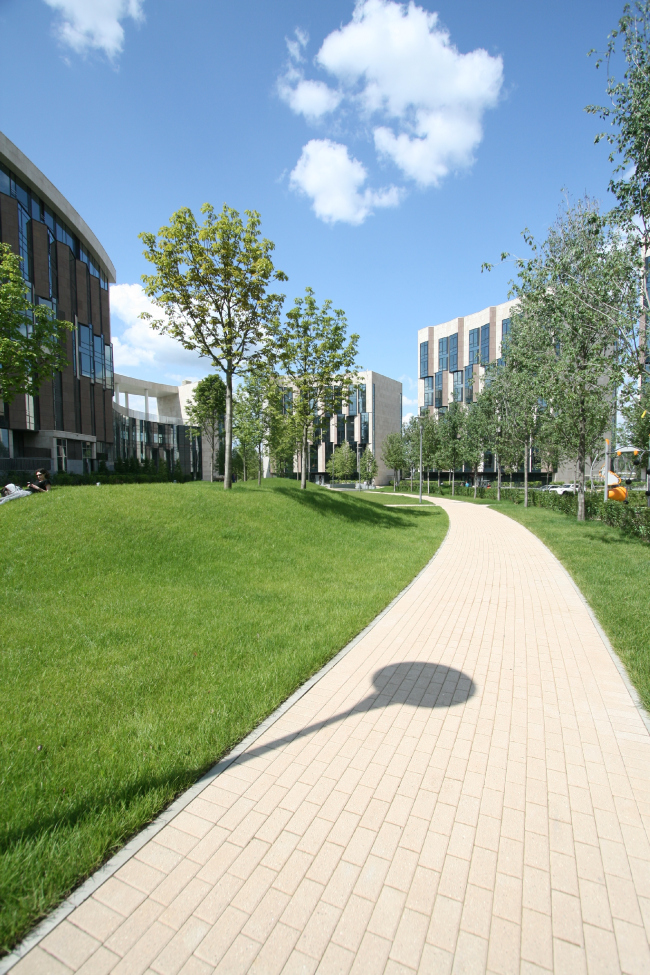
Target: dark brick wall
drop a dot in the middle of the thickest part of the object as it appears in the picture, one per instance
(68, 382)
(108, 416)
(9, 221)
(99, 411)
(66, 309)
(41, 260)
(96, 313)
(17, 413)
(106, 318)
(83, 303)
(46, 401)
(86, 420)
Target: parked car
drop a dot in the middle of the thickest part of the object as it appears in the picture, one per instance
(563, 489)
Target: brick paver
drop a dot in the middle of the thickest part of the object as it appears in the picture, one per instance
(466, 791)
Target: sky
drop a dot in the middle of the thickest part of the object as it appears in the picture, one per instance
(390, 148)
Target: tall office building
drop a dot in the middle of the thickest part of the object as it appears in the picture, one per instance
(452, 356)
(69, 425)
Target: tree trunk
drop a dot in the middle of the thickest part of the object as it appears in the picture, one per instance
(582, 452)
(303, 472)
(439, 482)
(394, 480)
(498, 479)
(475, 483)
(212, 460)
(428, 481)
(259, 467)
(526, 456)
(227, 472)
(453, 483)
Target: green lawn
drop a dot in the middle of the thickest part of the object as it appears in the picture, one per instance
(613, 574)
(145, 630)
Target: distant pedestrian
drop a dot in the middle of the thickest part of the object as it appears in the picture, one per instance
(42, 482)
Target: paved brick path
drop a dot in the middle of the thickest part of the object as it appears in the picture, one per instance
(466, 791)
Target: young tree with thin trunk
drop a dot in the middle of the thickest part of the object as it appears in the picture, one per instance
(368, 466)
(206, 410)
(411, 442)
(252, 418)
(451, 430)
(316, 356)
(211, 282)
(430, 446)
(392, 454)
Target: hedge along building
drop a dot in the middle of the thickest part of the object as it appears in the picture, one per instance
(70, 423)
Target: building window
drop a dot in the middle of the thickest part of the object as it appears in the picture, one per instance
(108, 365)
(4, 442)
(458, 386)
(485, 344)
(62, 455)
(469, 388)
(365, 428)
(85, 352)
(474, 346)
(438, 391)
(424, 360)
(98, 343)
(453, 352)
(428, 391)
(443, 354)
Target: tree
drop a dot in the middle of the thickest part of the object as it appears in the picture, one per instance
(32, 341)
(565, 338)
(211, 282)
(253, 412)
(515, 392)
(206, 411)
(430, 446)
(479, 432)
(316, 354)
(628, 117)
(451, 428)
(342, 464)
(368, 466)
(392, 454)
(411, 445)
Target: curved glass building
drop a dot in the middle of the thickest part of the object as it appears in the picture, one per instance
(69, 425)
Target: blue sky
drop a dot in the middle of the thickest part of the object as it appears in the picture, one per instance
(388, 151)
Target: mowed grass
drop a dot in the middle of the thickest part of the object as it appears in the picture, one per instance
(145, 630)
(613, 574)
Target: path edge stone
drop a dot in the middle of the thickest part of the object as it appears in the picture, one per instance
(88, 887)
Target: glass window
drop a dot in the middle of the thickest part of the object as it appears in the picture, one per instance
(108, 365)
(424, 359)
(36, 209)
(428, 391)
(458, 386)
(443, 354)
(361, 398)
(85, 352)
(485, 344)
(4, 442)
(340, 428)
(5, 182)
(287, 401)
(474, 346)
(469, 389)
(438, 390)
(352, 402)
(22, 193)
(98, 343)
(23, 242)
(365, 428)
(453, 352)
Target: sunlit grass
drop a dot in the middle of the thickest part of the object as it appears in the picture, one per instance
(148, 628)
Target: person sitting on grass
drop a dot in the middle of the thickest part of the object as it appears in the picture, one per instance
(42, 482)
(10, 492)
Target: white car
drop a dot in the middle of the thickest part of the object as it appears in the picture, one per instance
(563, 489)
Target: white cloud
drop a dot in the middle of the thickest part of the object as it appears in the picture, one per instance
(313, 99)
(141, 352)
(333, 180)
(87, 24)
(395, 68)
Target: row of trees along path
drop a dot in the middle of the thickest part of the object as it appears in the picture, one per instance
(212, 282)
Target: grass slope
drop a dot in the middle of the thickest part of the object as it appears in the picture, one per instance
(145, 630)
(612, 572)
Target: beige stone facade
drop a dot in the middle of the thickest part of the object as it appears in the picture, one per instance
(459, 346)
